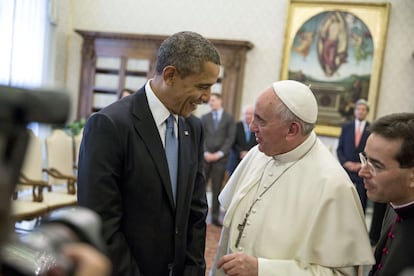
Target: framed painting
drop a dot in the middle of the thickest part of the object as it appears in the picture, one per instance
(337, 48)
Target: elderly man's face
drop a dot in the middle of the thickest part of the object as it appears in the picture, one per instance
(270, 131)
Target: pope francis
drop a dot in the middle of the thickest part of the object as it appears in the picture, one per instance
(291, 209)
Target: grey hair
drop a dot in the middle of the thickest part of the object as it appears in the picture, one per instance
(286, 116)
(364, 102)
(187, 52)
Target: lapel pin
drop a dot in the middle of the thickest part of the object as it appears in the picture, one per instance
(186, 132)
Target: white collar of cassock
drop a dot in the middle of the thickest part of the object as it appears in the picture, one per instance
(229, 197)
(297, 152)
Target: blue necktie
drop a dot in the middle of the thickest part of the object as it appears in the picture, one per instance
(247, 132)
(171, 151)
(215, 119)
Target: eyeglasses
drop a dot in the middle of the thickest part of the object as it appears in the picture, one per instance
(365, 162)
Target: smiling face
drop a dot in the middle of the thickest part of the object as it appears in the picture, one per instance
(186, 93)
(390, 183)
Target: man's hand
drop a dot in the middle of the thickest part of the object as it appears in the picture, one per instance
(243, 154)
(238, 264)
(88, 260)
(352, 166)
(212, 156)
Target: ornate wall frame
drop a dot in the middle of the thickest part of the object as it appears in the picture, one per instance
(337, 48)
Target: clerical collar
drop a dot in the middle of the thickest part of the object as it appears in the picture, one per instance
(297, 152)
(395, 206)
(404, 211)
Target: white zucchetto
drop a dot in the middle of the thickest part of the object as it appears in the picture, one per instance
(298, 98)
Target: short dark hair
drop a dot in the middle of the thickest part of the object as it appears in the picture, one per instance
(398, 126)
(187, 52)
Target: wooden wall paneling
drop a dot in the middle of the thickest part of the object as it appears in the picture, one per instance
(141, 46)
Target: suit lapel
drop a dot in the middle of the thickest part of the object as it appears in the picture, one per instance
(184, 157)
(145, 126)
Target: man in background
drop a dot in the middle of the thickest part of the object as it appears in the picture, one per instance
(126, 92)
(219, 129)
(244, 139)
(351, 142)
(388, 173)
(141, 165)
(290, 207)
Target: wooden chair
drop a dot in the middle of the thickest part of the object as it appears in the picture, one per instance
(59, 151)
(77, 143)
(27, 210)
(32, 176)
(27, 202)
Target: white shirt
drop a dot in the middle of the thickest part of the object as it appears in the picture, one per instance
(360, 125)
(159, 112)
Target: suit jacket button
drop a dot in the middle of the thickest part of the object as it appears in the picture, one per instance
(176, 231)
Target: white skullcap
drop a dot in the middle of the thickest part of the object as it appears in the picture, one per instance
(298, 98)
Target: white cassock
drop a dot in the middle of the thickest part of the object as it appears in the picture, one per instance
(308, 219)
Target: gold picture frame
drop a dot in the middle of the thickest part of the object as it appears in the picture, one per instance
(337, 48)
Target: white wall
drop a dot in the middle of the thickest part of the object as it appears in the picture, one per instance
(260, 22)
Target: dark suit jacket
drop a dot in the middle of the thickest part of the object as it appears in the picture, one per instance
(222, 138)
(240, 143)
(123, 176)
(400, 247)
(347, 151)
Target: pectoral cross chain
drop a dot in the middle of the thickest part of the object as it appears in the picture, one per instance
(240, 227)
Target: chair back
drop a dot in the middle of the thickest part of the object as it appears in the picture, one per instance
(31, 180)
(78, 141)
(33, 160)
(59, 151)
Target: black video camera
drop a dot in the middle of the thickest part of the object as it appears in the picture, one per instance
(39, 251)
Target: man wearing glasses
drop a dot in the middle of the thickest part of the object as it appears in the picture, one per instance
(388, 173)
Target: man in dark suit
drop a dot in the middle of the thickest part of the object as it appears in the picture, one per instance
(150, 226)
(388, 172)
(351, 142)
(219, 129)
(244, 139)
